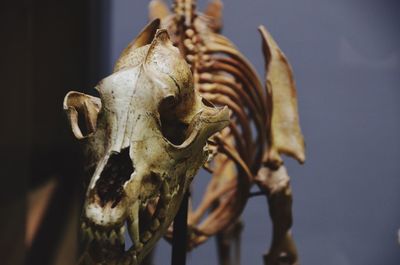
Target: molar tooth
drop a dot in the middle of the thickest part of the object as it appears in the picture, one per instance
(155, 225)
(146, 236)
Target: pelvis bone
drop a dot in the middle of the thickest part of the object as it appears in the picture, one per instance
(146, 137)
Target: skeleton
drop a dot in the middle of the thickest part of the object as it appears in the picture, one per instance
(145, 138)
(146, 122)
(225, 77)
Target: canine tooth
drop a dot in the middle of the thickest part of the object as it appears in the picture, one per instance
(83, 225)
(122, 230)
(146, 236)
(155, 225)
(121, 234)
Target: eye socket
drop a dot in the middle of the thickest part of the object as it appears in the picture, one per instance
(168, 103)
(171, 127)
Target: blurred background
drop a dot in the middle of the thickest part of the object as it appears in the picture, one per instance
(346, 58)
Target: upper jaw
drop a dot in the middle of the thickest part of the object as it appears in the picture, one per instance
(109, 234)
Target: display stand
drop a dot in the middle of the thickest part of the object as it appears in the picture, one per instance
(179, 240)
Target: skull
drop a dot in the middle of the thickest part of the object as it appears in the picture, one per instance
(145, 137)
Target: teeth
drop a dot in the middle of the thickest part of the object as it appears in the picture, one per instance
(138, 247)
(154, 226)
(97, 235)
(113, 237)
(134, 259)
(167, 197)
(89, 234)
(146, 236)
(121, 234)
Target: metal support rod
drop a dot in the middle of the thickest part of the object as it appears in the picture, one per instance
(179, 240)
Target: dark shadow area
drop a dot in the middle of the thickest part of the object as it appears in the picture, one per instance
(48, 48)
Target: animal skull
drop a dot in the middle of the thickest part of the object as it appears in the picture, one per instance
(146, 137)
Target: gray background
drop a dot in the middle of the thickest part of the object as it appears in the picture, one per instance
(346, 60)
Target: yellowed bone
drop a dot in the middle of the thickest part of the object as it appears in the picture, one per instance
(285, 135)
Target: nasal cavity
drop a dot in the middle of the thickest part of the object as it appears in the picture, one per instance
(117, 171)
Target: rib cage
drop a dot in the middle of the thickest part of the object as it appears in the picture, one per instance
(245, 152)
(224, 77)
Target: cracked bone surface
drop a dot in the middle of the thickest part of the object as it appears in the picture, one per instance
(145, 138)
